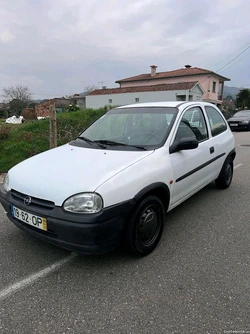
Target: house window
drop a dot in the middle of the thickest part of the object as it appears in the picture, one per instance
(110, 100)
(137, 99)
(181, 98)
(214, 86)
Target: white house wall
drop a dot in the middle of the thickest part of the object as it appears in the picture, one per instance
(196, 90)
(99, 101)
(197, 93)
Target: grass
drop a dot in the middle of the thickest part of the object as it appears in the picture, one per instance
(21, 141)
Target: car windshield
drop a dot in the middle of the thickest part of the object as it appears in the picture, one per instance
(139, 127)
(243, 113)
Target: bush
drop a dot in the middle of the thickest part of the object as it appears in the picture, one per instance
(3, 114)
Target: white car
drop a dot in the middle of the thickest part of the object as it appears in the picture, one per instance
(118, 179)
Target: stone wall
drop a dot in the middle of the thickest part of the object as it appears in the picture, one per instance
(43, 109)
(29, 114)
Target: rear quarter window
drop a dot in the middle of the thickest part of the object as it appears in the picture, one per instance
(216, 121)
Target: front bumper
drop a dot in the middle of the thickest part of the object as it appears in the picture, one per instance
(87, 234)
(239, 127)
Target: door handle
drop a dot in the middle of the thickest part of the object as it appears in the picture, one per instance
(211, 149)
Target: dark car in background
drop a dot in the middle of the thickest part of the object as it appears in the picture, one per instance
(240, 120)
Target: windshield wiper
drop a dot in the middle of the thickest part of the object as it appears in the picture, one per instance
(91, 141)
(115, 143)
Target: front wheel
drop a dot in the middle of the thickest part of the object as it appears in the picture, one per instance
(226, 175)
(145, 227)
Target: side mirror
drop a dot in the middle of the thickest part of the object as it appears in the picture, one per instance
(183, 144)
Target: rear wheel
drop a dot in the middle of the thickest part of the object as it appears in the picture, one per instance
(226, 175)
(145, 226)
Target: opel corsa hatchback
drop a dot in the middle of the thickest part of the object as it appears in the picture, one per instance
(118, 179)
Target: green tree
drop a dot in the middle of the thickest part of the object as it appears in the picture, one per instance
(243, 99)
(18, 97)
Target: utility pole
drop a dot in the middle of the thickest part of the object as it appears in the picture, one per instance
(53, 126)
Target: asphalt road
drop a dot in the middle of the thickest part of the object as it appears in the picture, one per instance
(196, 281)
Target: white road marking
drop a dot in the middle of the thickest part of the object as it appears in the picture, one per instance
(10, 290)
(237, 166)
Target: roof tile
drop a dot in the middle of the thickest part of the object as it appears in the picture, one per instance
(171, 74)
(151, 88)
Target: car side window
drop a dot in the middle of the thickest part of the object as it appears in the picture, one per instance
(193, 125)
(217, 123)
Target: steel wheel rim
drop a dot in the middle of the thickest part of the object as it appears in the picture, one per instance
(228, 173)
(148, 227)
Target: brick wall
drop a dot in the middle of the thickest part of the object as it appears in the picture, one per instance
(29, 113)
(43, 109)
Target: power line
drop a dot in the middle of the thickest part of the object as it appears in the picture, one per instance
(234, 59)
(236, 62)
(231, 54)
(230, 62)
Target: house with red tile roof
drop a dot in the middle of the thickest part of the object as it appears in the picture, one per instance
(211, 82)
(186, 84)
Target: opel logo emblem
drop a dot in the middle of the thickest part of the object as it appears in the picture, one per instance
(27, 200)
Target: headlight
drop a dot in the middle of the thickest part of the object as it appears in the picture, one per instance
(245, 122)
(84, 203)
(6, 185)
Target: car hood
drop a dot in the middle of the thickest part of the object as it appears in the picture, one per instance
(59, 173)
(239, 119)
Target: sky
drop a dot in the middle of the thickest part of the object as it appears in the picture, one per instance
(58, 47)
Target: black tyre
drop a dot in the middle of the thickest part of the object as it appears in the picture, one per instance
(226, 175)
(145, 227)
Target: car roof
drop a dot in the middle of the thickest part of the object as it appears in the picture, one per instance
(174, 104)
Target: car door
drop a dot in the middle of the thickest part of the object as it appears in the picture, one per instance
(192, 169)
(220, 136)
